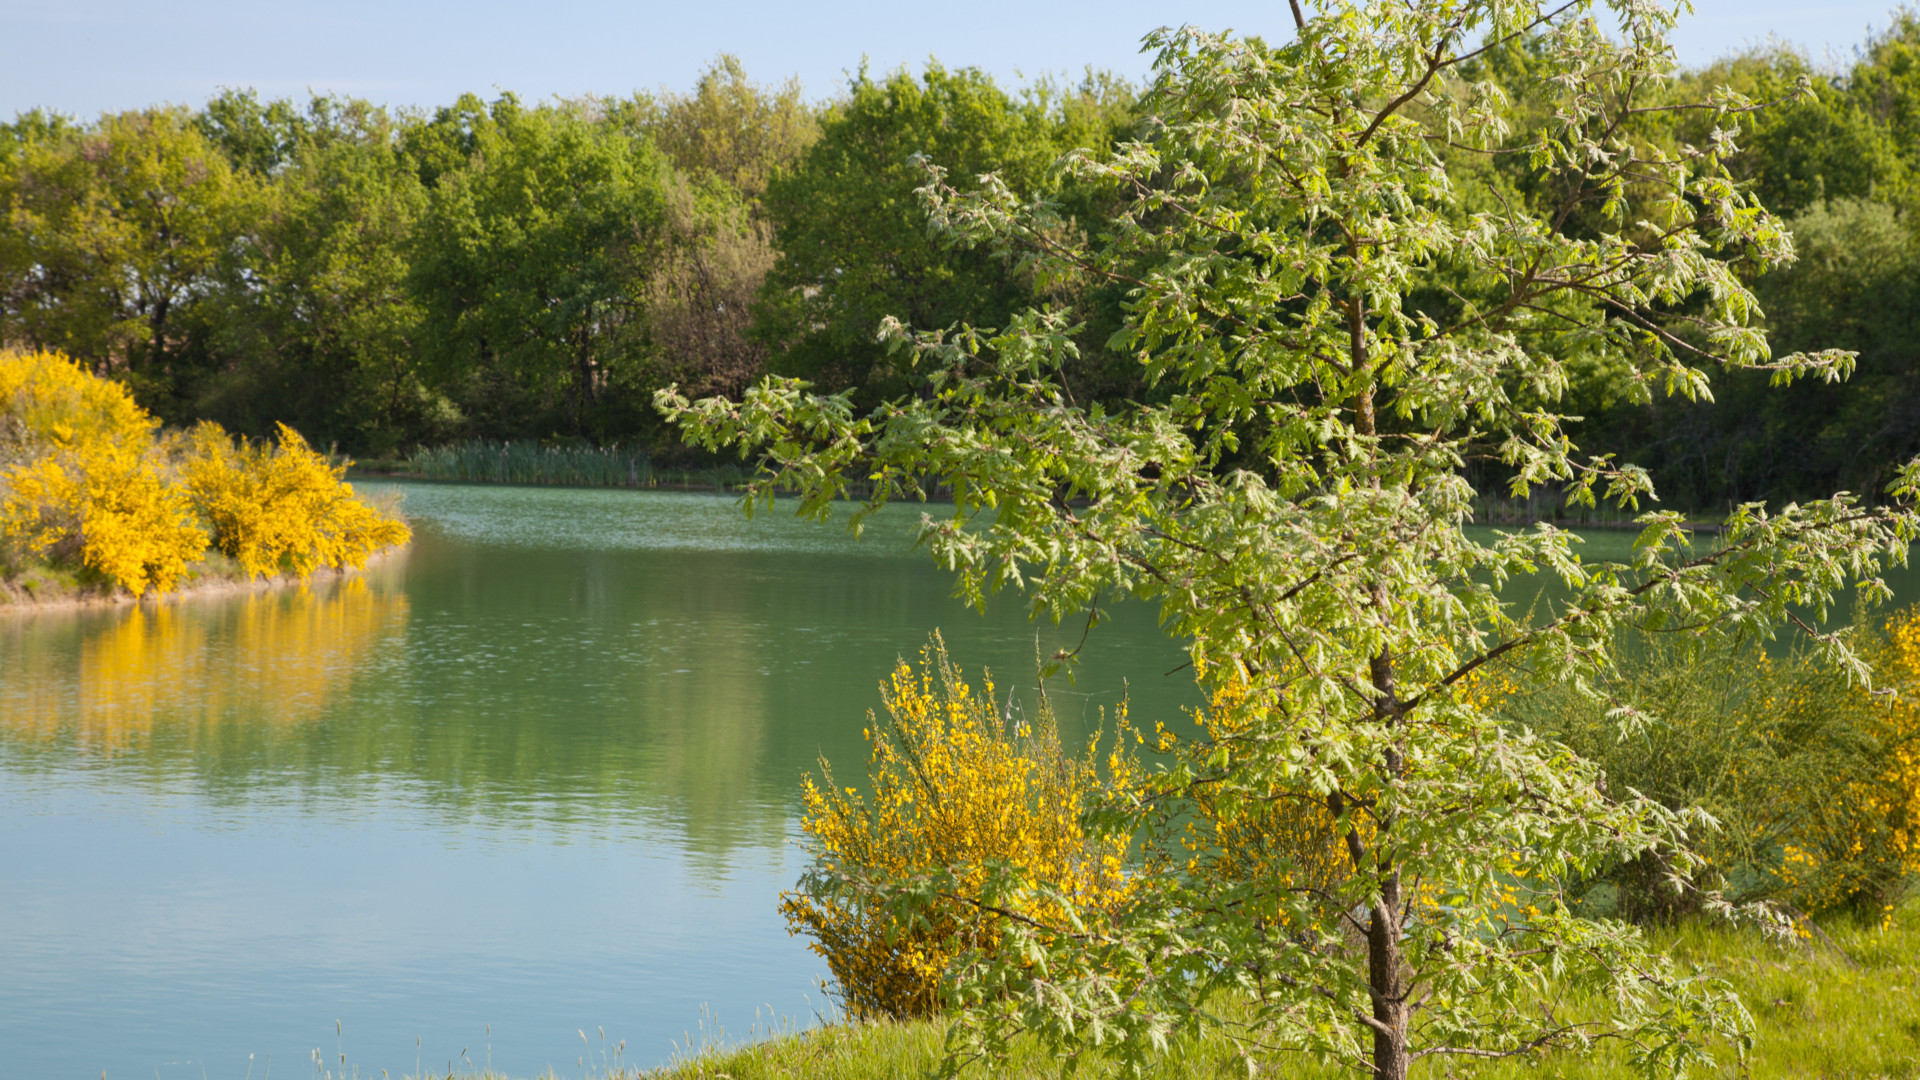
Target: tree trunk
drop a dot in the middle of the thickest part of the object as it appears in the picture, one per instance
(1386, 979)
(157, 334)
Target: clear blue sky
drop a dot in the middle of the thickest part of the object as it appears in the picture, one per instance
(85, 56)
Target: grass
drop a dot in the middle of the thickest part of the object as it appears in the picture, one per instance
(39, 582)
(1849, 1009)
(480, 461)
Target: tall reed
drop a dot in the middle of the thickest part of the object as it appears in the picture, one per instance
(481, 461)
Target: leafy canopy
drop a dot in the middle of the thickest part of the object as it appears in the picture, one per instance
(1293, 496)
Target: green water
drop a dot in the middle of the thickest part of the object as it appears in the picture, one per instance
(537, 774)
(526, 793)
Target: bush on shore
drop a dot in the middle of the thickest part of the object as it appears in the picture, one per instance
(1812, 777)
(88, 481)
(963, 798)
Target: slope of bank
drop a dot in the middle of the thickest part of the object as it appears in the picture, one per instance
(43, 586)
(1847, 1007)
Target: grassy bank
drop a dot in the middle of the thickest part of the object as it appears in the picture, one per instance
(1848, 1007)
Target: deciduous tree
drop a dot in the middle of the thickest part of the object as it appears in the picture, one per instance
(1294, 500)
(531, 262)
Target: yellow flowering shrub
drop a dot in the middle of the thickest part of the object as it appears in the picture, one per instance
(47, 400)
(958, 788)
(114, 503)
(1274, 840)
(281, 507)
(83, 479)
(1897, 799)
(1856, 841)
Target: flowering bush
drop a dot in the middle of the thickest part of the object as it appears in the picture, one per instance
(959, 794)
(1266, 844)
(113, 503)
(47, 400)
(281, 507)
(1853, 841)
(84, 479)
(1813, 781)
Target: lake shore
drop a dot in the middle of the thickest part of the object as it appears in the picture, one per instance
(41, 588)
(1834, 1006)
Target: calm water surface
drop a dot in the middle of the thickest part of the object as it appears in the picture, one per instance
(530, 783)
(534, 778)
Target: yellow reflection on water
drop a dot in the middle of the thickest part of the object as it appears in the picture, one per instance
(105, 682)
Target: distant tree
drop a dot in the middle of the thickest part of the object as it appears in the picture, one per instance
(729, 129)
(852, 241)
(108, 232)
(258, 137)
(446, 141)
(530, 267)
(702, 281)
(319, 327)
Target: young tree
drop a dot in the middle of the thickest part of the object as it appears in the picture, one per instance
(1294, 499)
(704, 275)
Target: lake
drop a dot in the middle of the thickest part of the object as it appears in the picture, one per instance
(533, 780)
(524, 796)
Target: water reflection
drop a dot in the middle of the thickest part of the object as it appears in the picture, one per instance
(606, 662)
(540, 774)
(252, 668)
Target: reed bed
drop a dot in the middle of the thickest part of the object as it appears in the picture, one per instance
(482, 462)
(1547, 506)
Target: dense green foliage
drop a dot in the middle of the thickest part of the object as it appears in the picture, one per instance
(389, 279)
(853, 237)
(1812, 780)
(1840, 161)
(1356, 271)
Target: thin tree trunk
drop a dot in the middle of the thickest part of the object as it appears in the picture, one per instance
(1386, 982)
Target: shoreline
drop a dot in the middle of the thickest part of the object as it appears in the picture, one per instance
(16, 599)
(356, 476)
(1691, 524)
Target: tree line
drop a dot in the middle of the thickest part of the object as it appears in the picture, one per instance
(385, 279)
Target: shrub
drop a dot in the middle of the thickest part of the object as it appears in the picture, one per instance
(48, 401)
(113, 503)
(1814, 782)
(1264, 844)
(281, 507)
(84, 479)
(960, 794)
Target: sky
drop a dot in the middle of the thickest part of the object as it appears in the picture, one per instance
(82, 57)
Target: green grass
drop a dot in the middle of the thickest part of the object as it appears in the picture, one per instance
(1822, 1012)
(479, 461)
